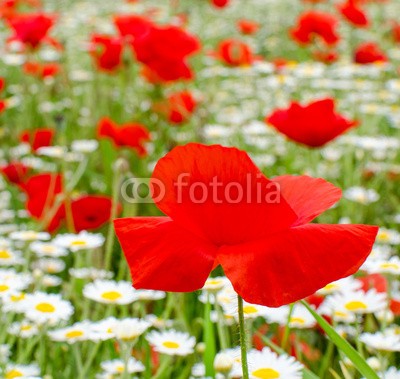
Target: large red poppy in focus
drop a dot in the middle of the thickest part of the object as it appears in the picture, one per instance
(258, 230)
(313, 125)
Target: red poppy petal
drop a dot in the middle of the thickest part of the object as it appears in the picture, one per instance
(219, 194)
(163, 256)
(294, 264)
(307, 196)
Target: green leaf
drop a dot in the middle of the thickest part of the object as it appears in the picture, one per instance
(358, 361)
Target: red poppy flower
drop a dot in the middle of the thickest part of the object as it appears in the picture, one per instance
(353, 13)
(327, 57)
(222, 210)
(90, 212)
(127, 135)
(396, 31)
(235, 53)
(131, 26)
(248, 26)
(31, 28)
(42, 70)
(178, 107)
(38, 138)
(15, 172)
(369, 52)
(42, 191)
(374, 281)
(106, 52)
(164, 50)
(312, 125)
(315, 23)
(220, 3)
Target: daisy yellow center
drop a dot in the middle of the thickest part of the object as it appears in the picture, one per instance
(340, 314)
(389, 266)
(14, 374)
(111, 295)
(4, 254)
(16, 298)
(29, 235)
(266, 373)
(330, 287)
(4, 287)
(249, 309)
(74, 334)
(214, 282)
(355, 305)
(45, 308)
(383, 236)
(25, 328)
(48, 249)
(78, 243)
(170, 344)
(120, 369)
(297, 320)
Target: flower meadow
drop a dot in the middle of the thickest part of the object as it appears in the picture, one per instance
(199, 189)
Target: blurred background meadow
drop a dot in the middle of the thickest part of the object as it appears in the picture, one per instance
(88, 100)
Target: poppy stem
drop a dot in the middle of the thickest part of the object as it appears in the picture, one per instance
(243, 344)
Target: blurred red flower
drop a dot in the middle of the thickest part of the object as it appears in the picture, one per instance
(131, 26)
(327, 57)
(248, 26)
(178, 107)
(396, 31)
(220, 3)
(106, 52)
(267, 247)
(38, 138)
(353, 13)
(313, 24)
(42, 70)
(164, 50)
(369, 52)
(88, 211)
(132, 135)
(235, 53)
(31, 29)
(313, 125)
(15, 172)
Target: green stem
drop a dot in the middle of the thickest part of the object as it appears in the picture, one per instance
(243, 347)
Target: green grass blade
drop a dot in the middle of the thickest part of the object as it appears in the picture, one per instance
(359, 362)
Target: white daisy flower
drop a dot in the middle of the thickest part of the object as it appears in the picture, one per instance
(5, 353)
(390, 266)
(24, 329)
(129, 329)
(388, 236)
(52, 151)
(81, 241)
(80, 331)
(361, 195)
(117, 367)
(341, 285)
(250, 311)
(11, 258)
(171, 342)
(223, 363)
(150, 295)
(12, 282)
(84, 146)
(358, 302)
(21, 371)
(381, 341)
(50, 265)
(216, 284)
(267, 364)
(90, 273)
(110, 292)
(48, 249)
(44, 308)
(29, 235)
